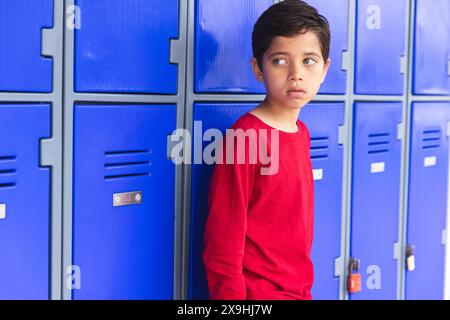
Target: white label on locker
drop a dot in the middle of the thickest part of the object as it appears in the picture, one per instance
(377, 167)
(429, 161)
(2, 210)
(318, 174)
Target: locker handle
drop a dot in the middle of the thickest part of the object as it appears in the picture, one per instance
(403, 65)
(345, 60)
(339, 266)
(176, 51)
(48, 42)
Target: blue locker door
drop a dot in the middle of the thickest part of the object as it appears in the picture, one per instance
(123, 252)
(209, 116)
(123, 46)
(375, 197)
(431, 58)
(24, 202)
(22, 67)
(323, 121)
(336, 13)
(223, 33)
(378, 67)
(427, 204)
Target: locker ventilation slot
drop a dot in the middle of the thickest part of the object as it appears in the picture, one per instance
(127, 164)
(319, 147)
(431, 139)
(8, 172)
(378, 143)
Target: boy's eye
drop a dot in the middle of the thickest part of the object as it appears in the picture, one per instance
(310, 59)
(276, 61)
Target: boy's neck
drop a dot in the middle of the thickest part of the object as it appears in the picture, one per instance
(282, 117)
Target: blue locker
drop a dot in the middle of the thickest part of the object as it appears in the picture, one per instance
(336, 13)
(375, 197)
(23, 68)
(427, 199)
(123, 46)
(212, 115)
(223, 33)
(323, 121)
(431, 58)
(127, 251)
(24, 202)
(378, 67)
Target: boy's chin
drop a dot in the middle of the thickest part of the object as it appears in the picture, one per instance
(293, 103)
(296, 104)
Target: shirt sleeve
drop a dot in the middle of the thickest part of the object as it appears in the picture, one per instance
(224, 238)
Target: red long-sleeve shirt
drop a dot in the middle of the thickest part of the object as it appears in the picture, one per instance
(259, 229)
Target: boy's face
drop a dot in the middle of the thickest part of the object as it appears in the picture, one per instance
(292, 63)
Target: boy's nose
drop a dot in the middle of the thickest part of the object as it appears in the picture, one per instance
(295, 76)
(296, 73)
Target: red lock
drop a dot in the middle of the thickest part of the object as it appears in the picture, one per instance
(354, 283)
(354, 278)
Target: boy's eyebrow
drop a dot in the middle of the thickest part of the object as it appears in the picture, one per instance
(288, 54)
(279, 53)
(312, 54)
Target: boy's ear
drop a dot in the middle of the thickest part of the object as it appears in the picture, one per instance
(325, 69)
(256, 70)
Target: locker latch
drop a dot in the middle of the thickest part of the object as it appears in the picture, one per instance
(410, 259)
(354, 277)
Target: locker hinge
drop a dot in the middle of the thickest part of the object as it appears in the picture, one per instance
(49, 41)
(444, 237)
(345, 60)
(176, 51)
(49, 152)
(403, 65)
(397, 251)
(400, 131)
(339, 270)
(342, 134)
(448, 129)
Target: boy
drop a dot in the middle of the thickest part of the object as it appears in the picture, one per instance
(259, 230)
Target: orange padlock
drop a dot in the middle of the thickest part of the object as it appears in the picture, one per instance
(354, 278)
(354, 283)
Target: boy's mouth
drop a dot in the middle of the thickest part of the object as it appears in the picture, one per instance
(296, 93)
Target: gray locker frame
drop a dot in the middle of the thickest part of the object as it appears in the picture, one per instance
(51, 148)
(177, 55)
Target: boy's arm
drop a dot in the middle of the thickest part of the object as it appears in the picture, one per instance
(230, 191)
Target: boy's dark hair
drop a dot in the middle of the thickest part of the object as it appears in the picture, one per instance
(289, 18)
